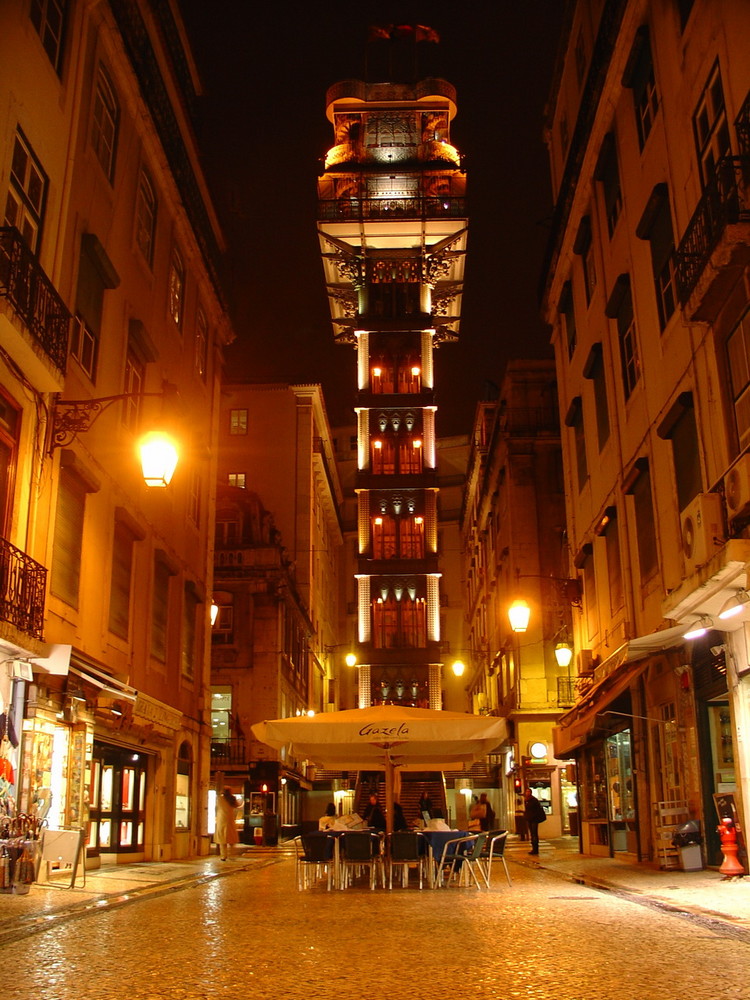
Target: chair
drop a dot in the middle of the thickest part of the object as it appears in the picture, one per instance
(406, 848)
(315, 857)
(494, 847)
(360, 849)
(461, 855)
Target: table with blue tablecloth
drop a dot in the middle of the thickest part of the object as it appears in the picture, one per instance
(436, 840)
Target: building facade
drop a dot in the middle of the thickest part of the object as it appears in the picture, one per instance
(514, 547)
(111, 322)
(646, 292)
(277, 586)
(392, 226)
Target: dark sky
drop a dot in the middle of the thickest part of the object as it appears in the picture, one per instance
(263, 131)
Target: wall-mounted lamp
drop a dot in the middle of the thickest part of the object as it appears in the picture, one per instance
(699, 628)
(563, 654)
(735, 604)
(116, 709)
(458, 668)
(214, 613)
(71, 417)
(518, 614)
(351, 659)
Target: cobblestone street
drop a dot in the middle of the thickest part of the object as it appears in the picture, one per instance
(253, 934)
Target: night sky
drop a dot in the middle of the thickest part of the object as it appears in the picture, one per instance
(263, 132)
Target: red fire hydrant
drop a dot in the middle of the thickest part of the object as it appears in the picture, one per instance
(728, 837)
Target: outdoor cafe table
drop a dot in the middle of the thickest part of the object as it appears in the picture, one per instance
(436, 841)
(336, 835)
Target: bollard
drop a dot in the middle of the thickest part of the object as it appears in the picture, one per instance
(728, 837)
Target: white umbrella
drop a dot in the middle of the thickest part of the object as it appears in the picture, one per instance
(386, 737)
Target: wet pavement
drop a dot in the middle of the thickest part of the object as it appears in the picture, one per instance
(569, 928)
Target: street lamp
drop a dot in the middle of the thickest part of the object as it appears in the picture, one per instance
(519, 613)
(458, 668)
(563, 654)
(158, 452)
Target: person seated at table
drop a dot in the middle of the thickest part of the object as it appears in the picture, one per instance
(399, 820)
(425, 806)
(373, 815)
(328, 819)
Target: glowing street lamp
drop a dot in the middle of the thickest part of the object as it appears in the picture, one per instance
(518, 614)
(158, 459)
(563, 654)
(458, 668)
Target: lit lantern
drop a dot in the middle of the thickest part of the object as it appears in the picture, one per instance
(158, 459)
(519, 613)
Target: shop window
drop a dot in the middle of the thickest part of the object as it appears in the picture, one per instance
(182, 788)
(27, 188)
(608, 174)
(48, 17)
(105, 123)
(679, 427)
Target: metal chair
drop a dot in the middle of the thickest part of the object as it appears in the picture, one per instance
(406, 848)
(359, 849)
(463, 855)
(494, 848)
(315, 857)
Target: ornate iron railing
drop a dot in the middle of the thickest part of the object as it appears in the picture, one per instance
(725, 201)
(33, 296)
(22, 588)
(340, 209)
(228, 751)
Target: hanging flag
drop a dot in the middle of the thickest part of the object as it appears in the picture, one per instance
(425, 34)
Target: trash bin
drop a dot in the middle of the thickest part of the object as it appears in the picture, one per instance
(687, 839)
(270, 829)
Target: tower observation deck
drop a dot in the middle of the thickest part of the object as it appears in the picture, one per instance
(392, 225)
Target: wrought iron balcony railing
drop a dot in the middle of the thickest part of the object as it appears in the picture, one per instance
(33, 296)
(22, 588)
(230, 750)
(341, 209)
(567, 693)
(725, 201)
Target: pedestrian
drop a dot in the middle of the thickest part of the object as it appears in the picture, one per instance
(226, 826)
(374, 816)
(488, 820)
(477, 815)
(534, 812)
(425, 806)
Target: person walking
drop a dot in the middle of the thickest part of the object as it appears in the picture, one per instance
(488, 820)
(226, 827)
(534, 812)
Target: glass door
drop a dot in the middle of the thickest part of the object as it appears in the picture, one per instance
(117, 801)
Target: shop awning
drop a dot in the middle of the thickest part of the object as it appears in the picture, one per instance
(616, 676)
(105, 682)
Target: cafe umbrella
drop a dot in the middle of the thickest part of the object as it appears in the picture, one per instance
(386, 738)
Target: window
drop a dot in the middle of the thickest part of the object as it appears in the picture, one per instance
(585, 562)
(710, 127)
(594, 370)
(638, 485)
(656, 227)
(639, 75)
(194, 498)
(223, 630)
(738, 357)
(145, 217)
(608, 174)
(48, 17)
(68, 538)
(221, 713)
(24, 205)
(399, 622)
(201, 344)
(190, 606)
(226, 531)
(96, 274)
(135, 374)
(384, 537)
(680, 428)
(411, 537)
(105, 123)
(160, 609)
(585, 248)
(182, 788)
(568, 313)
(176, 288)
(10, 422)
(574, 419)
(121, 580)
(620, 308)
(608, 528)
(237, 479)
(238, 421)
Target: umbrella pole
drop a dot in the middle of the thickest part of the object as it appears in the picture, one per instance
(389, 774)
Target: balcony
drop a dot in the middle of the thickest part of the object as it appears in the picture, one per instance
(22, 589)
(228, 751)
(385, 209)
(716, 244)
(33, 296)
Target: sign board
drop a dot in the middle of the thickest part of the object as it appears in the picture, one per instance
(63, 848)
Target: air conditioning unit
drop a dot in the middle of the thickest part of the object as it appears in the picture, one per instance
(702, 529)
(737, 488)
(585, 661)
